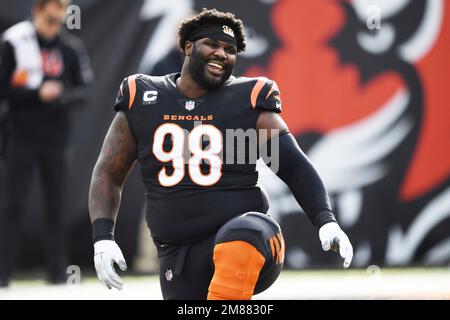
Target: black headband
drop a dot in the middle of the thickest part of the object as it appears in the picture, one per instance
(214, 31)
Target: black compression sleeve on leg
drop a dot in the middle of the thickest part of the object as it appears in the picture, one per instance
(103, 229)
(298, 173)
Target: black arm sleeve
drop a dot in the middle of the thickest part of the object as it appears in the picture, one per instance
(298, 173)
(22, 97)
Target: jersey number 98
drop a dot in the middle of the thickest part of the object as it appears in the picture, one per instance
(176, 155)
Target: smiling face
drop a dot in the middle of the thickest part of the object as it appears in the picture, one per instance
(211, 62)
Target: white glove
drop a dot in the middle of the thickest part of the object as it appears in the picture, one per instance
(106, 252)
(332, 237)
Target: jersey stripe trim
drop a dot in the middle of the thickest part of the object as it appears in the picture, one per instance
(256, 90)
(272, 89)
(131, 90)
(121, 89)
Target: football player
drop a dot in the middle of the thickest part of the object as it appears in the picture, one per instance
(206, 213)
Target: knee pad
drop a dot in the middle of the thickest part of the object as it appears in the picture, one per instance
(264, 236)
(237, 265)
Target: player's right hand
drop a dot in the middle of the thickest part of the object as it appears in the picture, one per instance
(332, 237)
(106, 252)
(50, 90)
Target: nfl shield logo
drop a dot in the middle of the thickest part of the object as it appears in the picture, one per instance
(190, 105)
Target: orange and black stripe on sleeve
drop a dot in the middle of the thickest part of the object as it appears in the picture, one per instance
(131, 90)
(262, 90)
(275, 91)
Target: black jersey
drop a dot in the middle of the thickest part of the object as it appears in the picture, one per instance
(197, 156)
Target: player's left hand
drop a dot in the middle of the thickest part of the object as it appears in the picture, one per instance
(332, 237)
(106, 253)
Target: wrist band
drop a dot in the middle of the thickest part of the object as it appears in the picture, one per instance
(103, 229)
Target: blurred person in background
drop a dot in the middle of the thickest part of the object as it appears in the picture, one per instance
(44, 74)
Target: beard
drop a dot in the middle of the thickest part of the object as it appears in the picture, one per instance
(197, 69)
